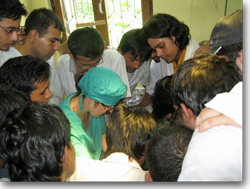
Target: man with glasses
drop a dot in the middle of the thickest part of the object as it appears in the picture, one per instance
(43, 31)
(10, 18)
(86, 50)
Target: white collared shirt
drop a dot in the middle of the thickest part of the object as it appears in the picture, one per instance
(216, 154)
(116, 167)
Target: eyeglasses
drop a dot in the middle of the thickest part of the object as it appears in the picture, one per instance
(12, 29)
(86, 66)
(108, 108)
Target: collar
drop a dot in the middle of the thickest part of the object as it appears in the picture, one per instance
(72, 67)
(122, 158)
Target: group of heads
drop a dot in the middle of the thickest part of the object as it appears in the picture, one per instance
(29, 74)
(226, 42)
(88, 53)
(35, 140)
(196, 81)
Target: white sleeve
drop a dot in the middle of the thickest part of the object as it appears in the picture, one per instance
(146, 74)
(114, 60)
(229, 103)
(55, 86)
(155, 75)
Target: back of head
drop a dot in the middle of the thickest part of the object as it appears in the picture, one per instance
(200, 78)
(162, 103)
(11, 9)
(32, 142)
(10, 99)
(23, 71)
(227, 31)
(128, 130)
(132, 42)
(41, 19)
(166, 151)
(165, 25)
(86, 42)
(102, 85)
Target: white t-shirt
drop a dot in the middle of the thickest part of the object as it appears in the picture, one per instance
(116, 167)
(55, 86)
(216, 154)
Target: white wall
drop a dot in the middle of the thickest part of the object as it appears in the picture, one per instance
(34, 4)
(199, 15)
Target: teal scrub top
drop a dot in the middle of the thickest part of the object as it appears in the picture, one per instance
(88, 144)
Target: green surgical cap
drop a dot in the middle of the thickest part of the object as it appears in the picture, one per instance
(102, 85)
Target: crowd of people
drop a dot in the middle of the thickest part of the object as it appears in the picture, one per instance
(71, 122)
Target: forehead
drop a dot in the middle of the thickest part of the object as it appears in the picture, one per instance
(153, 42)
(129, 55)
(39, 86)
(88, 60)
(53, 33)
(10, 23)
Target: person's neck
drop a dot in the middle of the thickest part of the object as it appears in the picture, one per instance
(178, 57)
(75, 106)
(24, 49)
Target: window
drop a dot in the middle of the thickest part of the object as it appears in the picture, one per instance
(112, 18)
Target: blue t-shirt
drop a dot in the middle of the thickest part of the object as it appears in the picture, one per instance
(88, 144)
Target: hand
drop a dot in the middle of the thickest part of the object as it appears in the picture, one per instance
(209, 118)
(21, 35)
(203, 49)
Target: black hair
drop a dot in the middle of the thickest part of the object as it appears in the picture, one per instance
(133, 43)
(86, 42)
(165, 25)
(10, 99)
(12, 9)
(166, 151)
(23, 71)
(32, 142)
(162, 103)
(41, 19)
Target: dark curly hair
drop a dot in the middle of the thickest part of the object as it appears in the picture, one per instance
(162, 102)
(23, 71)
(165, 25)
(32, 142)
(12, 9)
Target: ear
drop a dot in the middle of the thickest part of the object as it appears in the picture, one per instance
(148, 177)
(65, 158)
(188, 116)
(33, 35)
(120, 51)
(239, 60)
(187, 112)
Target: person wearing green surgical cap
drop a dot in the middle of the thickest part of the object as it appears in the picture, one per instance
(98, 91)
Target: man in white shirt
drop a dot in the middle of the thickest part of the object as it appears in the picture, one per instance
(131, 64)
(43, 30)
(172, 47)
(136, 53)
(86, 50)
(215, 154)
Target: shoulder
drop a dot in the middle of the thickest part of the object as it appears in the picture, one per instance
(63, 59)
